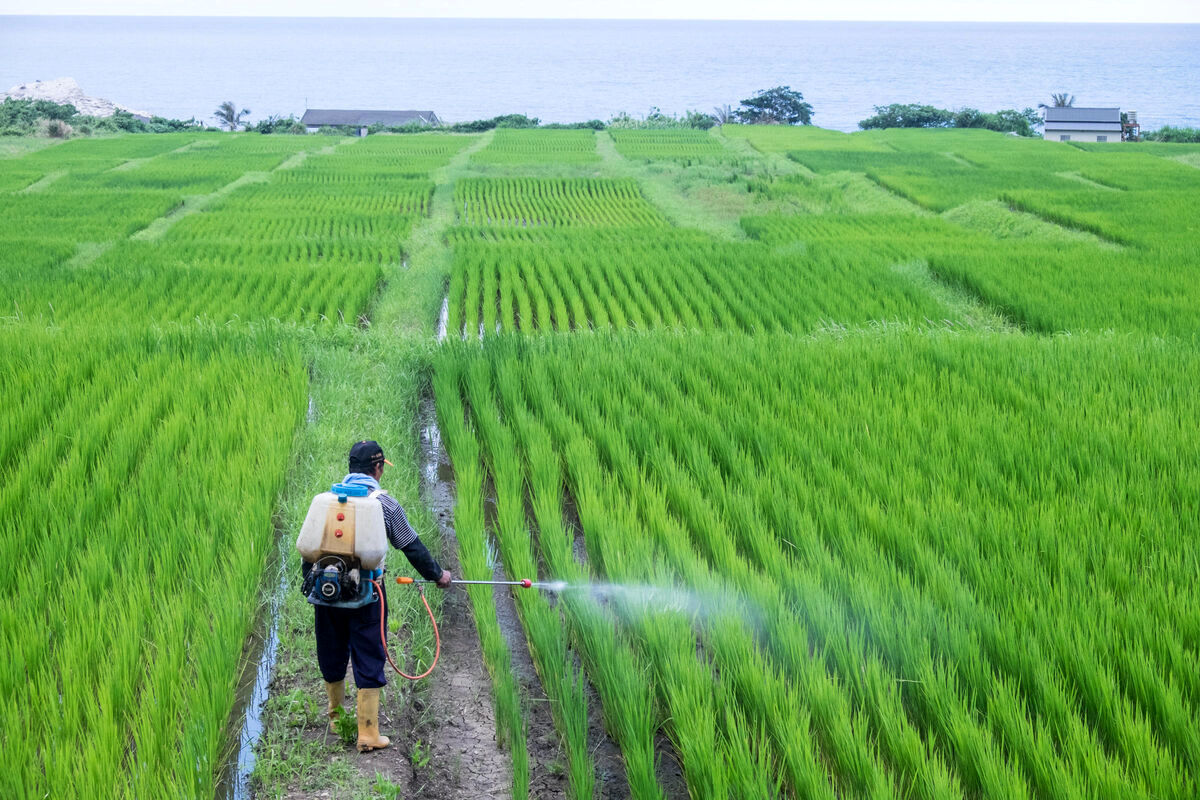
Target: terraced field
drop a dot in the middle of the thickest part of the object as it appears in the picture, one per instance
(552, 202)
(883, 484)
(530, 147)
(682, 145)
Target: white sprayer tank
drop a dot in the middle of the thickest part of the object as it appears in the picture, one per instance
(339, 523)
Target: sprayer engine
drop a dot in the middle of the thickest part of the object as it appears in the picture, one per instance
(333, 580)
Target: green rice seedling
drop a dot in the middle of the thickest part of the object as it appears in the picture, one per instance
(86, 157)
(517, 146)
(557, 202)
(155, 410)
(853, 761)
(456, 300)
(1066, 261)
(964, 684)
(604, 281)
(678, 144)
(131, 294)
(470, 532)
(705, 777)
(198, 170)
(299, 210)
(491, 293)
(80, 216)
(548, 645)
(410, 154)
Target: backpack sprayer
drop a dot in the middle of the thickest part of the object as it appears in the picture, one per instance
(344, 539)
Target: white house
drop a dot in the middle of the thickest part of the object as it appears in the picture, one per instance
(316, 118)
(1067, 124)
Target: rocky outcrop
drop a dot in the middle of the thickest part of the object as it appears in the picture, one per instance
(66, 90)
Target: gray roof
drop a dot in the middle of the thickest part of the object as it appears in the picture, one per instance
(1069, 114)
(1083, 126)
(360, 117)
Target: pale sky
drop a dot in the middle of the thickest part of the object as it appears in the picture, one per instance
(950, 10)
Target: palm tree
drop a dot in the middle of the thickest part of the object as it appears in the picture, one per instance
(1063, 100)
(228, 116)
(722, 115)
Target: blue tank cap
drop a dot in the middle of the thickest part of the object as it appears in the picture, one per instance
(350, 490)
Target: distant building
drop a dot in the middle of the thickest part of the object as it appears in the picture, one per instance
(316, 118)
(1067, 124)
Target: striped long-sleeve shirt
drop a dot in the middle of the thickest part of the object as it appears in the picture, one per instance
(395, 521)
(402, 537)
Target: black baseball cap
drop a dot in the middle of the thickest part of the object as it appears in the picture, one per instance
(367, 454)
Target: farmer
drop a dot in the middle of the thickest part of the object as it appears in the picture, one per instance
(353, 633)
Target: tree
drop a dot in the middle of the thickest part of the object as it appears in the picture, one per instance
(779, 105)
(228, 116)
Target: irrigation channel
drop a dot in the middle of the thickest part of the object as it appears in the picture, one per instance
(258, 666)
(253, 687)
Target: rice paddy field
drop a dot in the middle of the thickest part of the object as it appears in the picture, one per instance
(863, 465)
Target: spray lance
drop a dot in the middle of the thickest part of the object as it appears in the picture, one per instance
(404, 580)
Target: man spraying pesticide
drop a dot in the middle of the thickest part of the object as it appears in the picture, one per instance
(343, 542)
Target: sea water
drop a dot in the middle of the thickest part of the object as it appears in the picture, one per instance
(569, 70)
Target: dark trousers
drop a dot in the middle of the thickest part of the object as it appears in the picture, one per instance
(352, 634)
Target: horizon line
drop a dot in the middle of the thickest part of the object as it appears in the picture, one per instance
(610, 19)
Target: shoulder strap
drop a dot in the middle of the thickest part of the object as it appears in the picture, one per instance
(376, 493)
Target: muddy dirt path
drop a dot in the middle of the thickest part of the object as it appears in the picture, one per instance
(457, 717)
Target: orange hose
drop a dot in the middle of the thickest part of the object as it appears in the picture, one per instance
(437, 636)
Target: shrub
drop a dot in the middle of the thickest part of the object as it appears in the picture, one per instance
(503, 121)
(656, 119)
(591, 124)
(1169, 134)
(55, 129)
(26, 118)
(911, 115)
(276, 123)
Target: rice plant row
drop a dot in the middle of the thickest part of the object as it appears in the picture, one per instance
(553, 202)
(125, 294)
(351, 161)
(75, 217)
(123, 628)
(292, 211)
(683, 145)
(648, 279)
(515, 146)
(84, 157)
(940, 607)
(294, 247)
